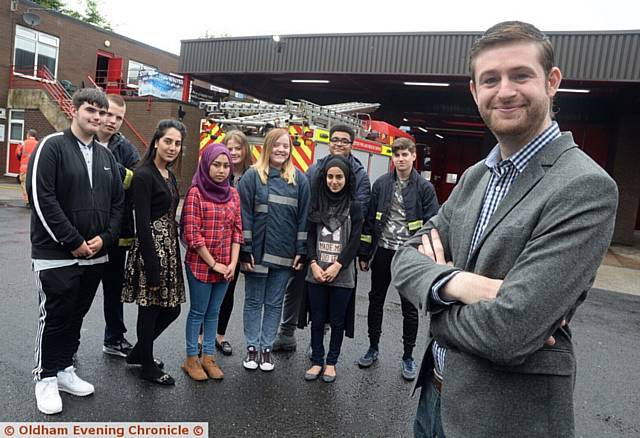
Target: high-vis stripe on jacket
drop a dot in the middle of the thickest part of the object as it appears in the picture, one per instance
(274, 218)
(420, 203)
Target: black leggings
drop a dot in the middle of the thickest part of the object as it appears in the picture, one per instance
(152, 321)
(227, 305)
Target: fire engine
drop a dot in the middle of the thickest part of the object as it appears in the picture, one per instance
(308, 125)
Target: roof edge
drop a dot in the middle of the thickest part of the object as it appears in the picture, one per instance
(443, 33)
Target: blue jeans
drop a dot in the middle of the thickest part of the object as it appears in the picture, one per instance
(205, 300)
(263, 292)
(428, 423)
(327, 304)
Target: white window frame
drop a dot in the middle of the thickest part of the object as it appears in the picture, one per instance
(11, 141)
(40, 38)
(142, 65)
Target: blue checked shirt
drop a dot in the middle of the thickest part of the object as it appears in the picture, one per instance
(503, 175)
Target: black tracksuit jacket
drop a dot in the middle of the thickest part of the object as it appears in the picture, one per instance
(66, 209)
(420, 204)
(127, 157)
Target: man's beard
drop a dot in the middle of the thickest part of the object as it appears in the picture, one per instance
(530, 118)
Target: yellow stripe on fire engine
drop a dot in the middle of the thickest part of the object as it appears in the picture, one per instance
(211, 136)
(307, 153)
(255, 152)
(302, 163)
(321, 135)
(386, 150)
(204, 141)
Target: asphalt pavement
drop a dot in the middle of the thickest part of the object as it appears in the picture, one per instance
(375, 402)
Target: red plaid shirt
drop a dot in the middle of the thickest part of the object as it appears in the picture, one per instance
(215, 226)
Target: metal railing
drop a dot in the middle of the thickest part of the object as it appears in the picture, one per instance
(120, 86)
(23, 78)
(129, 125)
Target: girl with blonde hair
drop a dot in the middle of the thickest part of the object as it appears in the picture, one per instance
(275, 201)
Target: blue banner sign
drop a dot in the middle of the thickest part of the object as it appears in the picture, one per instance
(154, 83)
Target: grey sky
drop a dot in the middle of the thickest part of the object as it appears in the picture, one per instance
(164, 24)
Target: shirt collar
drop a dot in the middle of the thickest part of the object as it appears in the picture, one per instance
(85, 146)
(521, 158)
(80, 143)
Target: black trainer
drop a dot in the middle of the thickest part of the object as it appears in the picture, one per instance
(368, 358)
(121, 348)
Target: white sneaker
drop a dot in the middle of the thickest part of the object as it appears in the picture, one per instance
(68, 381)
(47, 396)
(266, 361)
(250, 362)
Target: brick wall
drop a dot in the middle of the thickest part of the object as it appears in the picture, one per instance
(144, 116)
(77, 52)
(33, 119)
(79, 43)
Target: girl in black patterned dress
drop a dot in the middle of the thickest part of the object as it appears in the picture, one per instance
(153, 275)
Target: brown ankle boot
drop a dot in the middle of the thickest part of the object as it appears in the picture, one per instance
(211, 367)
(193, 368)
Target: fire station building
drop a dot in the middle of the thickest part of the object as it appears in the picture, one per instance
(421, 81)
(45, 56)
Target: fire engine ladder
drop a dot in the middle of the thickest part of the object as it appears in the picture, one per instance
(353, 107)
(262, 113)
(329, 115)
(237, 109)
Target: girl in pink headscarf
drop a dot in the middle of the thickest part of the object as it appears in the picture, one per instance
(212, 229)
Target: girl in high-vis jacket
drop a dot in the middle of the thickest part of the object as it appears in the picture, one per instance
(275, 201)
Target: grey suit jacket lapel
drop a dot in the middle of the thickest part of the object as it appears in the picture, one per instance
(473, 209)
(533, 172)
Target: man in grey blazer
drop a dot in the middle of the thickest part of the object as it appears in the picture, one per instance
(503, 266)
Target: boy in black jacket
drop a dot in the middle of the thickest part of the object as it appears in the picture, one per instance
(401, 201)
(76, 201)
(127, 157)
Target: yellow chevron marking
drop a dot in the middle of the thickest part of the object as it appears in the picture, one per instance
(204, 141)
(255, 151)
(302, 164)
(307, 152)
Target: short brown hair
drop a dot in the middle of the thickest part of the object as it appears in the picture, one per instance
(511, 32)
(402, 143)
(117, 99)
(91, 96)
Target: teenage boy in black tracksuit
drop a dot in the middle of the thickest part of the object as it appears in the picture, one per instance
(76, 201)
(127, 157)
(401, 201)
